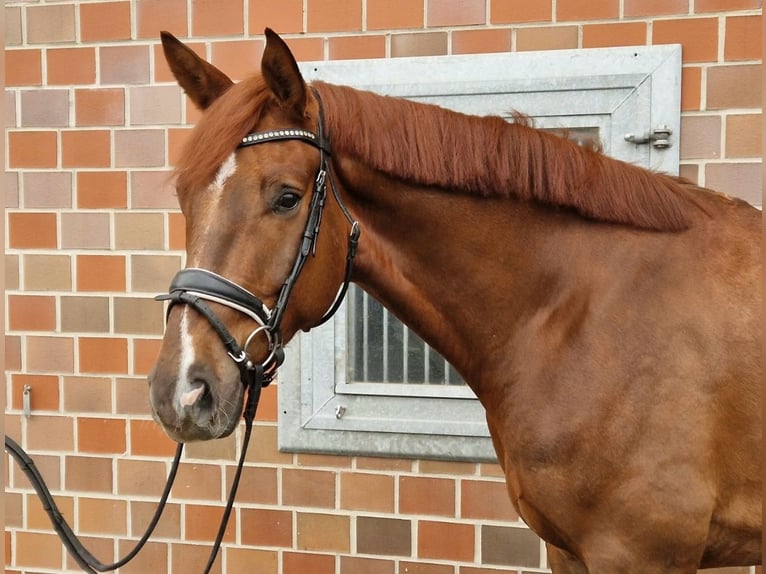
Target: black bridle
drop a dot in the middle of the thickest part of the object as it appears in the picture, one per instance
(194, 287)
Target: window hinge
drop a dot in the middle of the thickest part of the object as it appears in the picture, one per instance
(659, 137)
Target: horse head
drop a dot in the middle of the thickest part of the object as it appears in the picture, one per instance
(251, 186)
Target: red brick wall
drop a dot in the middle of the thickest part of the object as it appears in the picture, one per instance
(94, 123)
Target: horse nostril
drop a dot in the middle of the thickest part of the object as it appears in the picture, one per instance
(199, 394)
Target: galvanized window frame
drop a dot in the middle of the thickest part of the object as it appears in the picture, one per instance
(621, 91)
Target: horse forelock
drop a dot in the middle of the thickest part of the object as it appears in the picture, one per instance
(218, 133)
(488, 156)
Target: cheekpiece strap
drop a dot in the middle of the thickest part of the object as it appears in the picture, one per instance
(292, 134)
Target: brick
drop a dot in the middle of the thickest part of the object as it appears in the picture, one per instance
(268, 405)
(640, 8)
(511, 546)
(266, 527)
(421, 495)
(105, 21)
(102, 189)
(425, 568)
(323, 532)
(356, 47)
(85, 314)
(139, 231)
(44, 391)
(299, 563)
(609, 35)
(47, 189)
(38, 550)
(445, 541)
(32, 230)
(145, 353)
(87, 394)
(265, 436)
(366, 491)
(32, 149)
(698, 37)
(725, 5)
(743, 135)
(50, 24)
(733, 87)
(691, 88)
(83, 230)
(99, 107)
(49, 354)
(743, 180)
(124, 64)
(334, 15)
(481, 41)
(147, 439)
(419, 44)
(743, 38)
(102, 436)
(11, 188)
(100, 272)
(587, 9)
(198, 481)
(176, 231)
(99, 546)
(323, 460)
(70, 66)
(31, 313)
(394, 14)
(188, 558)
(152, 273)
(37, 517)
(689, 172)
(312, 488)
(700, 137)
(138, 316)
(12, 356)
(102, 516)
(139, 148)
(152, 16)
(257, 485)
(384, 464)
(202, 523)
(383, 536)
(252, 560)
(217, 17)
(240, 58)
(12, 273)
(50, 433)
(456, 12)
(49, 466)
(13, 35)
(306, 49)
(356, 564)
(131, 395)
(44, 108)
(14, 513)
(177, 140)
(213, 450)
(10, 109)
(155, 105)
(141, 513)
(103, 355)
(546, 38)
(151, 555)
(85, 148)
(23, 68)
(485, 500)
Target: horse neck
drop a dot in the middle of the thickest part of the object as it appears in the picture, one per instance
(445, 262)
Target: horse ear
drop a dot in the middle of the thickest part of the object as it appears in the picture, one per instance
(280, 70)
(201, 81)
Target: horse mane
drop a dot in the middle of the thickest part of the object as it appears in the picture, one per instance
(432, 146)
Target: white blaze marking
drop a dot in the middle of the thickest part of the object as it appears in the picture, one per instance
(184, 394)
(227, 169)
(209, 215)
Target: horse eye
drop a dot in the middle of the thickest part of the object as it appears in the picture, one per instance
(287, 201)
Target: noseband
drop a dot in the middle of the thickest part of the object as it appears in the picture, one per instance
(195, 286)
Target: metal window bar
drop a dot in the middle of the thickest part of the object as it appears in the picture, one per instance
(383, 350)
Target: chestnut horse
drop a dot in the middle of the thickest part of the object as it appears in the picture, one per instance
(607, 317)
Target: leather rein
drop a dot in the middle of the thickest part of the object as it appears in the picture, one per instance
(195, 287)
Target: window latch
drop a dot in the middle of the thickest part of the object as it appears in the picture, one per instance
(659, 137)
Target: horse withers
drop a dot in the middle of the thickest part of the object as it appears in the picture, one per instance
(607, 317)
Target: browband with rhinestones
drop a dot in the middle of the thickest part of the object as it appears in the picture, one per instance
(294, 134)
